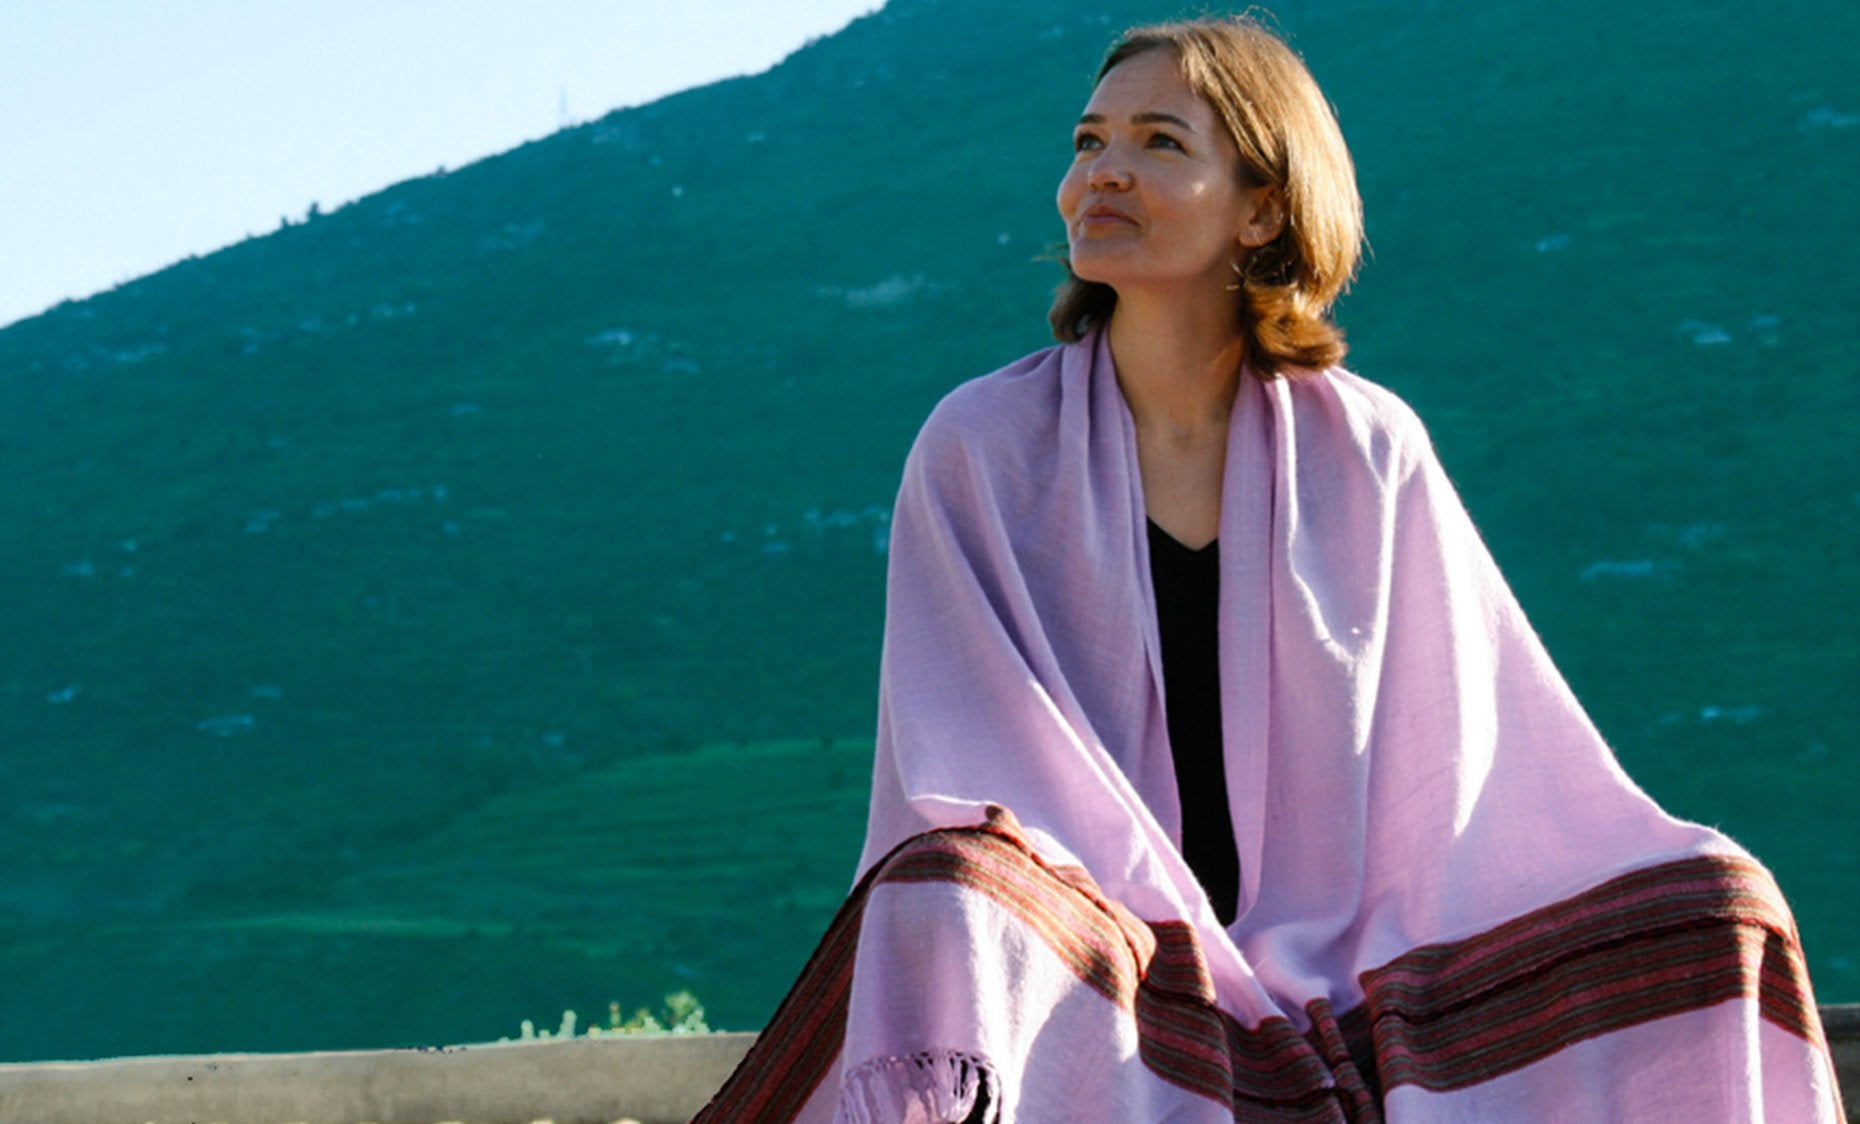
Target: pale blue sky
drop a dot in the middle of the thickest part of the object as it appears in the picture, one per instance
(136, 132)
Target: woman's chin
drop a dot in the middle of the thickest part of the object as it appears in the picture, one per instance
(1090, 266)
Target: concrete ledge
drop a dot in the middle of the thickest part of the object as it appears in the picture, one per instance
(1843, 1026)
(656, 1079)
(659, 1079)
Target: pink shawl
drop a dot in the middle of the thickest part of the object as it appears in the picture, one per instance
(1453, 902)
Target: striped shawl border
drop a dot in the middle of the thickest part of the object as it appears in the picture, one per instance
(1659, 941)
(1675, 937)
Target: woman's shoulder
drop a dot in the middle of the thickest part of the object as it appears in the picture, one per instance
(1027, 384)
(1359, 398)
(1004, 407)
(1340, 406)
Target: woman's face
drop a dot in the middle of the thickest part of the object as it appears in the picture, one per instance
(1152, 197)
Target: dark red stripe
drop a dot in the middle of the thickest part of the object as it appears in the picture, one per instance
(1083, 934)
(1657, 942)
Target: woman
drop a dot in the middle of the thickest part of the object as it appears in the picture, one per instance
(1218, 774)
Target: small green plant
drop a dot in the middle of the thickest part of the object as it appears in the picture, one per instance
(679, 1013)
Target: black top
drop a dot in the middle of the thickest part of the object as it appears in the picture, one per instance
(1187, 599)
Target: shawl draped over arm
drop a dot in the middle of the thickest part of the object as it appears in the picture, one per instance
(1454, 905)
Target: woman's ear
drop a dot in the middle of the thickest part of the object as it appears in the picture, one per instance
(1263, 218)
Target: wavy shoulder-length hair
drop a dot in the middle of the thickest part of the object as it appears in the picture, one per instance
(1288, 139)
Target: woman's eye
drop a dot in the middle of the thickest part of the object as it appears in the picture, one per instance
(1164, 140)
(1085, 142)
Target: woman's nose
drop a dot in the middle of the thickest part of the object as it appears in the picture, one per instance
(1108, 173)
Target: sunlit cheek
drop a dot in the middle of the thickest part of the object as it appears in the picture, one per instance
(1069, 192)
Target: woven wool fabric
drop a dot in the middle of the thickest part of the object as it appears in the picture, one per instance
(1453, 905)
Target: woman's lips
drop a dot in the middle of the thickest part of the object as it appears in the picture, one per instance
(1101, 216)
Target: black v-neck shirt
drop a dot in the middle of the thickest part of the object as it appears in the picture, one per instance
(1187, 586)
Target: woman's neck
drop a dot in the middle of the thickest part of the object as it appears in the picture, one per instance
(1178, 365)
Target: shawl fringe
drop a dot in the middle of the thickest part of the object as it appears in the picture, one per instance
(928, 1087)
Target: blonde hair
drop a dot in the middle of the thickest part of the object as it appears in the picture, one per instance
(1288, 139)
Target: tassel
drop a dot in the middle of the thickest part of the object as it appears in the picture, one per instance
(931, 1087)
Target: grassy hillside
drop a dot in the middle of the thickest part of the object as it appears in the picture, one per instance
(338, 557)
(713, 869)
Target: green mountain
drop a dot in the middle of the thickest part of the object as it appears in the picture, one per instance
(465, 604)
